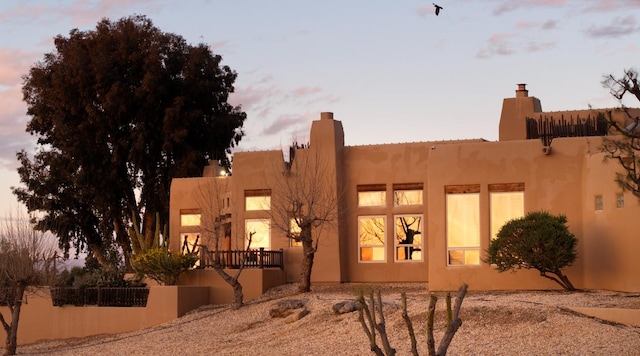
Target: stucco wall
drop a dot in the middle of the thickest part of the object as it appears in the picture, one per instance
(39, 319)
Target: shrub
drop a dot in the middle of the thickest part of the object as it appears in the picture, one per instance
(162, 265)
(538, 241)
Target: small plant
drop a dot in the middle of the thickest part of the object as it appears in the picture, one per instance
(538, 241)
(162, 265)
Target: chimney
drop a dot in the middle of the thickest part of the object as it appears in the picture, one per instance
(326, 116)
(522, 91)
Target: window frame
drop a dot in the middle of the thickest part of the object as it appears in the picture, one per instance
(268, 233)
(373, 247)
(257, 200)
(408, 187)
(193, 213)
(451, 192)
(398, 245)
(364, 190)
(503, 189)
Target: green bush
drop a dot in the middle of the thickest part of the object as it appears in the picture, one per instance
(538, 241)
(162, 265)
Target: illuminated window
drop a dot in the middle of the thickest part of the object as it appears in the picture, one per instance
(257, 199)
(407, 194)
(409, 237)
(371, 241)
(599, 203)
(372, 195)
(463, 225)
(620, 200)
(294, 230)
(258, 233)
(190, 217)
(506, 202)
(190, 243)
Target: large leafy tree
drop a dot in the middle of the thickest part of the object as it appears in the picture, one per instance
(118, 112)
(624, 146)
(538, 241)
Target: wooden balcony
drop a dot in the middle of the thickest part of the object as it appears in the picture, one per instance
(234, 259)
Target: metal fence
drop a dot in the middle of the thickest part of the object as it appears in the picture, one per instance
(100, 296)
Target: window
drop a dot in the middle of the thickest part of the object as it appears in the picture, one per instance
(620, 200)
(599, 202)
(371, 241)
(190, 243)
(409, 237)
(372, 195)
(190, 217)
(258, 233)
(294, 230)
(506, 202)
(463, 225)
(257, 199)
(407, 194)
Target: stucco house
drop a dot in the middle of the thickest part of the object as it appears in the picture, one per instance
(426, 211)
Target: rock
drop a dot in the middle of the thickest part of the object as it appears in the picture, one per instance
(296, 316)
(285, 307)
(347, 306)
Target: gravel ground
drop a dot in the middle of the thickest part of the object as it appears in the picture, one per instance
(494, 323)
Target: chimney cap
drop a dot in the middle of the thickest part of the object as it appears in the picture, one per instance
(522, 90)
(326, 115)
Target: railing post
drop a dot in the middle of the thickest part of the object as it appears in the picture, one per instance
(281, 259)
(261, 258)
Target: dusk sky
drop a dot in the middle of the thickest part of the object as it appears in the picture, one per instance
(391, 71)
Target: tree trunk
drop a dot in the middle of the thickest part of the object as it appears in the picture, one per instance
(11, 343)
(238, 296)
(98, 254)
(308, 253)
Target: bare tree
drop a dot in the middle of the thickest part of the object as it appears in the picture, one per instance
(27, 263)
(214, 198)
(304, 198)
(624, 147)
(371, 317)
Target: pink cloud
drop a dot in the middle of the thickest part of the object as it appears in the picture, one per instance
(511, 5)
(497, 44)
(13, 122)
(284, 122)
(15, 63)
(80, 12)
(611, 5)
(617, 28)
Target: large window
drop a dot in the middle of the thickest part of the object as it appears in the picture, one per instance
(190, 243)
(463, 225)
(407, 194)
(409, 237)
(257, 199)
(371, 239)
(190, 217)
(506, 203)
(372, 195)
(258, 233)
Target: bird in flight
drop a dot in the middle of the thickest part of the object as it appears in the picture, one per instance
(438, 8)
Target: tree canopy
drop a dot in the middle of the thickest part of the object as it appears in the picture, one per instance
(538, 241)
(118, 112)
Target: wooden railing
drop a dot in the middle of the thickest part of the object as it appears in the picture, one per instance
(234, 259)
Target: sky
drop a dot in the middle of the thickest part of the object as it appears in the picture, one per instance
(391, 71)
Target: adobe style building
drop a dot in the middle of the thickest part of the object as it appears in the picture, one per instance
(426, 211)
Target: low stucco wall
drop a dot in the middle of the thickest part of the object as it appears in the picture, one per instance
(39, 319)
(254, 282)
